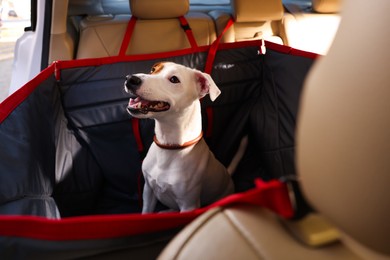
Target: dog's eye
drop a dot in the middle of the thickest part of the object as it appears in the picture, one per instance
(174, 79)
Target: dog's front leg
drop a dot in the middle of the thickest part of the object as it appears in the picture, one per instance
(190, 206)
(191, 201)
(149, 199)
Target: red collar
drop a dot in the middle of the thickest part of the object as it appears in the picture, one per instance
(178, 146)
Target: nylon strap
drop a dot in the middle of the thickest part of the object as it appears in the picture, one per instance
(214, 47)
(187, 29)
(208, 68)
(130, 29)
(127, 36)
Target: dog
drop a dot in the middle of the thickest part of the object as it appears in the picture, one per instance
(179, 169)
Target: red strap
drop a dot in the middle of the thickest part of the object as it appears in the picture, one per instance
(187, 29)
(137, 134)
(272, 195)
(276, 197)
(130, 28)
(214, 47)
(127, 37)
(209, 66)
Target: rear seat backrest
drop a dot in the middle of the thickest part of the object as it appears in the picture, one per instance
(62, 43)
(314, 30)
(326, 6)
(157, 29)
(253, 20)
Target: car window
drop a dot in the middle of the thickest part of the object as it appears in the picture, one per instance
(224, 2)
(14, 17)
(301, 3)
(209, 2)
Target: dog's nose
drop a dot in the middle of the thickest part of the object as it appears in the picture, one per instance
(132, 82)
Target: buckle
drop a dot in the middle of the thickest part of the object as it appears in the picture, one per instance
(298, 201)
(185, 27)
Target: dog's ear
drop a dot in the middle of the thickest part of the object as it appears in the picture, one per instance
(206, 85)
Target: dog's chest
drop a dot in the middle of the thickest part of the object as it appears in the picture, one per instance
(169, 170)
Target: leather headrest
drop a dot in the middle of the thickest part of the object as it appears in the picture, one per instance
(159, 9)
(326, 6)
(257, 11)
(343, 131)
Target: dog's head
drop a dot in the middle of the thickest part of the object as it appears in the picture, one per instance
(168, 87)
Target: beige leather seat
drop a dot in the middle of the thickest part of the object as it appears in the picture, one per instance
(313, 29)
(343, 161)
(253, 20)
(157, 29)
(62, 42)
(326, 6)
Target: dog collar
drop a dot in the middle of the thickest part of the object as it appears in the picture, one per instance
(178, 146)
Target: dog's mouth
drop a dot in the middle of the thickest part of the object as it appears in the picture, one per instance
(138, 105)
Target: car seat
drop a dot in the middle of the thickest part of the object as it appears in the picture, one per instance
(342, 155)
(312, 29)
(253, 20)
(157, 29)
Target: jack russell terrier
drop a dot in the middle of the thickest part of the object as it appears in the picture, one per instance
(179, 169)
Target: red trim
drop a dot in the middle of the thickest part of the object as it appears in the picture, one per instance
(164, 55)
(127, 36)
(10, 103)
(306, 54)
(271, 46)
(187, 29)
(273, 195)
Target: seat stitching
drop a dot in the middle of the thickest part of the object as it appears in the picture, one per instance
(242, 234)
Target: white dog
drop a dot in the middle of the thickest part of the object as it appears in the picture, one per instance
(179, 168)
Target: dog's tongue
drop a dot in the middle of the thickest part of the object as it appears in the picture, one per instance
(134, 101)
(139, 103)
(145, 105)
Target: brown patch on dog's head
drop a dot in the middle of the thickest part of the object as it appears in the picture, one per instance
(157, 68)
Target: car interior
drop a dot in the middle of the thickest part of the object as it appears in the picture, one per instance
(342, 133)
(90, 31)
(82, 32)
